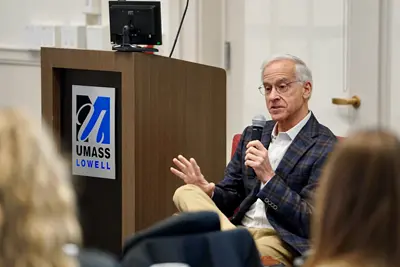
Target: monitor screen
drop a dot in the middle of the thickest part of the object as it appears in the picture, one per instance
(135, 22)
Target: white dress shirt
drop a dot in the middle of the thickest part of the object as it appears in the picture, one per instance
(256, 216)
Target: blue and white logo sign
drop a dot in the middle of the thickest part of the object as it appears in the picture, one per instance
(93, 131)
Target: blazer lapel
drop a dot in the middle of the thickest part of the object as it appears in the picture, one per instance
(266, 134)
(299, 146)
(246, 204)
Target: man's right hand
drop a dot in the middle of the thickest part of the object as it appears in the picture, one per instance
(190, 173)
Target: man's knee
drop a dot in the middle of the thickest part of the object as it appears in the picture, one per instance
(183, 192)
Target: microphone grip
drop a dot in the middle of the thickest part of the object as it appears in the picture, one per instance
(251, 172)
(255, 135)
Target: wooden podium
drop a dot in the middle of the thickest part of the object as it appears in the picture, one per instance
(160, 108)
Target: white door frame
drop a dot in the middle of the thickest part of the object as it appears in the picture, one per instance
(385, 29)
(360, 81)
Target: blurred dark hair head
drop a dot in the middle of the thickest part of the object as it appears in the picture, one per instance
(357, 216)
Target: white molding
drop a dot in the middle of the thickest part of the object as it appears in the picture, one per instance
(210, 36)
(174, 11)
(385, 41)
(190, 41)
(19, 62)
(365, 79)
(19, 56)
(224, 29)
(346, 45)
(198, 30)
(18, 49)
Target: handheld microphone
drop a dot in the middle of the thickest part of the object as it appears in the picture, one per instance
(258, 123)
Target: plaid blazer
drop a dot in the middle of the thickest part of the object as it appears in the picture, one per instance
(287, 196)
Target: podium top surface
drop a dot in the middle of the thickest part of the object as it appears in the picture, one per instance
(104, 60)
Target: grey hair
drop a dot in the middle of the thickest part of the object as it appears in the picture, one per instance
(303, 73)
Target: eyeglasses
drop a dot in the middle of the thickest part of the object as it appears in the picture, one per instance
(280, 87)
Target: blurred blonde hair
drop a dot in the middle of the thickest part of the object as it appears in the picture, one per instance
(37, 201)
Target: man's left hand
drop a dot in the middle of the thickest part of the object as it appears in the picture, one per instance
(257, 158)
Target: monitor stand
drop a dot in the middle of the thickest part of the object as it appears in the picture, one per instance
(133, 48)
(126, 46)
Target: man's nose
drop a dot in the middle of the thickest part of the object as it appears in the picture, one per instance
(273, 95)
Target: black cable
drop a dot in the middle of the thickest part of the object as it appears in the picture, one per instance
(180, 26)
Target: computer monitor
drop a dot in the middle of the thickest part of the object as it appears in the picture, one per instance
(135, 23)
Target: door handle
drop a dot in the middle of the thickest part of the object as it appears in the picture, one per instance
(355, 101)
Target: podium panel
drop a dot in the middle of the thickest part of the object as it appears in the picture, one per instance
(120, 118)
(97, 197)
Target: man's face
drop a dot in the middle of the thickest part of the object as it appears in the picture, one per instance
(284, 94)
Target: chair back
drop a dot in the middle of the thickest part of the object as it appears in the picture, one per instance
(193, 239)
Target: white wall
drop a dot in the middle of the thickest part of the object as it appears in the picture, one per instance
(200, 40)
(19, 69)
(20, 84)
(204, 32)
(16, 15)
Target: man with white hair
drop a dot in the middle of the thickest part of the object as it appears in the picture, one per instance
(276, 205)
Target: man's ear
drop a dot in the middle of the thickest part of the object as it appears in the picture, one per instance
(307, 89)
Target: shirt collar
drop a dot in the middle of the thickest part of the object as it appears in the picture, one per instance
(294, 131)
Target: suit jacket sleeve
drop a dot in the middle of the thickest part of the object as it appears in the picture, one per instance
(229, 193)
(290, 208)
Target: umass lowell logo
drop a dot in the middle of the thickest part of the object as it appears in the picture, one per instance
(93, 132)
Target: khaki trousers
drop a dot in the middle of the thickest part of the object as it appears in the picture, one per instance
(189, 198)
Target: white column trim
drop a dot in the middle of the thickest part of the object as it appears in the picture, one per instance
(174, 14)
(385, 41)
(190, 34)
